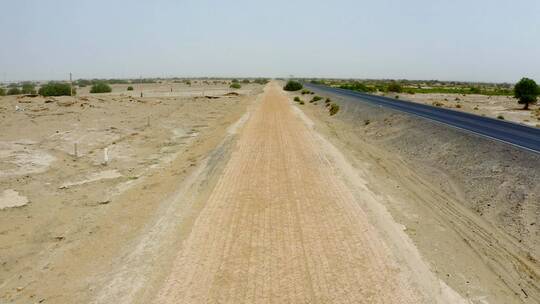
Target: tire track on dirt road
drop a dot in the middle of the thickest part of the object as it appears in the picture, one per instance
(282, 227)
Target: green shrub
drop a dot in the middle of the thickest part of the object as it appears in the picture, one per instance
(526, 91)
(56, 89)
(14, 91)
(130, 88)
(328, 100)
(261, 80)
(475, 90)
(302, 102)
(334, 108)
(245, 81)
(293, 86)
(144, 80)
(297, 99)
(117, 81)
(356, 86)
(2, 92)
(28, 88)
(234, 81)
(100, 87)
(235, 85)
(500, 117)
(83, 82)
(316, 98)
(395, 87)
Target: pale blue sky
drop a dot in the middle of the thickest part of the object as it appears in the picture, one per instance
(483, 40)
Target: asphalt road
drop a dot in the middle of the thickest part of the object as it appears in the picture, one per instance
(524, 137)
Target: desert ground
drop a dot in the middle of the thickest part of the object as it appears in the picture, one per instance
(500, 107)
(203, 194)
(64, 212)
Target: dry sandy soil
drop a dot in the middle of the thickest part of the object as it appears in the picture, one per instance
(470, 205)
(244, 199)
(74, 211)
(490, 106)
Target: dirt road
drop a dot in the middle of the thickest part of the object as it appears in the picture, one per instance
(281, 226)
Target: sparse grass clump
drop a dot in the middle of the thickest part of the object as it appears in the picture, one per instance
(301, 102)
(130, 88)
(235, 85)
(56, 89)
(458, 106)
(328, 100)
(437, 104)
(500, 117)
(334, 108)
(293, 86)
(100, 87)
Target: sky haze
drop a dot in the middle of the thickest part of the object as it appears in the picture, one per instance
(480, 40)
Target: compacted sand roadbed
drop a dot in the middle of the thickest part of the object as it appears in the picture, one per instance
(281, 227)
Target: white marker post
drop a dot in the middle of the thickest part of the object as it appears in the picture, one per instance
(105, 156)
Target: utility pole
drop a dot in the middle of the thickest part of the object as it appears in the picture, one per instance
(71, 84)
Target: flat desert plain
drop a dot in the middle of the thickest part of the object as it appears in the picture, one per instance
(203, 194)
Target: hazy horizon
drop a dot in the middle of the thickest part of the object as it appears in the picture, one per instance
(484, 41)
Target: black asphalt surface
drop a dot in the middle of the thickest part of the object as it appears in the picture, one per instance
(518, 135)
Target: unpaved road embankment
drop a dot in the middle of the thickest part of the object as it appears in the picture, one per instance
(281, 226)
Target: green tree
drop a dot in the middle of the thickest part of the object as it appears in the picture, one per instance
(235, 85)
(100, 87)
(526, 91)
